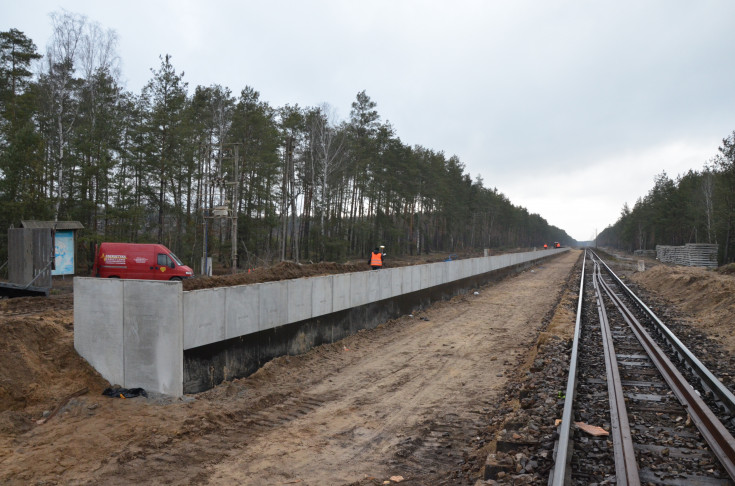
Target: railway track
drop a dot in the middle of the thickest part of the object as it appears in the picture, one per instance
(661, 416)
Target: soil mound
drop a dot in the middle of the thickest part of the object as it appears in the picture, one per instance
(706, 294)
(728, 269)
(39, 364)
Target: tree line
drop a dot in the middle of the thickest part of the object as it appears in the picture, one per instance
(209, 167)
(697, 207)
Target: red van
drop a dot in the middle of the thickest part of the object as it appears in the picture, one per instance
(141, 261)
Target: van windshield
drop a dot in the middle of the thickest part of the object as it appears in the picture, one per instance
(176, 259)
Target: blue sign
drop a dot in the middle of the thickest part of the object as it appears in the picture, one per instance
(64, 252)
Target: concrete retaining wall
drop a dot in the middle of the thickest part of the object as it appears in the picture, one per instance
(131, 331)
(153, 335)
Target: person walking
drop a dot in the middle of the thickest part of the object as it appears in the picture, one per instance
(376, 259)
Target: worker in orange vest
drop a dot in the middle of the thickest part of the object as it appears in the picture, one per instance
(546, 246)
(376, 258)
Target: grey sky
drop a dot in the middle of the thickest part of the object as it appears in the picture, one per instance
(570, 108)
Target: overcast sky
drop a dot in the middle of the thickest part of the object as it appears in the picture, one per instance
(569, 108)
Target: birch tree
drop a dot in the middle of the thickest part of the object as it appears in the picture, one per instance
(62, 88)
(328, 149)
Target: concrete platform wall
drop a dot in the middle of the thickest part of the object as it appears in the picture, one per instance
(135, 332)
(207, 318)
(131, 331)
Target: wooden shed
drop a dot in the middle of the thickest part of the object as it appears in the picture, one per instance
(63, 234)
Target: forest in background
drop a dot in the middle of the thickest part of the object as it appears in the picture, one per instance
(697, 207)
(182, 167)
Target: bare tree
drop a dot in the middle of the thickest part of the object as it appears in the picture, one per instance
(327, 145)
(98, 51)
(76, 53)
(61, 85)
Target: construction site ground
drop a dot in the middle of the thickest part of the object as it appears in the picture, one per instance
(409, 401)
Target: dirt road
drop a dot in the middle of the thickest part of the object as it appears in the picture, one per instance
(405, 399)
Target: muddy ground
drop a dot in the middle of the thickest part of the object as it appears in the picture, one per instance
(413, 399)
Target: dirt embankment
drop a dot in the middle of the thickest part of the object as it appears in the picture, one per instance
(707, 296)
(38, 363)
(405, 399)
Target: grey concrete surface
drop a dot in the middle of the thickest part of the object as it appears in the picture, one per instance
(98, 330)
(359, 287)
(341, 291)
(321, 295)
(204, 317)
(299, 299)
(153, 337)
(243, 310)
(273, 304)
(131, 331)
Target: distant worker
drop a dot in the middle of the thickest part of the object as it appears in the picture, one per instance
(376, 258)
(546, 246)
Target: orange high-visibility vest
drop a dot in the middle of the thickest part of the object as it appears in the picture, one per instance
(376, 260)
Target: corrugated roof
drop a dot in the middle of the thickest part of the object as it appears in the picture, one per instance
(59, 225)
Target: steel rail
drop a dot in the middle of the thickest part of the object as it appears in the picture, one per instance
(626, 466)
(714, 432)
(563, 452)
(709, 381)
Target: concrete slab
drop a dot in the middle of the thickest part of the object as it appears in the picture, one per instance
(452, 271)
(341, 291)
(385, 282)
(396, 281)
(495, 262)
(485, 264)
(427, 275)
(153, 336)
(273, 305)
(98, 325)
(373, 285)
(204, 316)
(358, 288)
(299, 299)
(242, 315)
(416, 278)
(406, 274)
(321, 295)
(440, 272)
(467, 268)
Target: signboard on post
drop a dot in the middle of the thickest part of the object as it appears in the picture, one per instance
(64, 253)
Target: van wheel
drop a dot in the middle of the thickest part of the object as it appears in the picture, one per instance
(176, 279)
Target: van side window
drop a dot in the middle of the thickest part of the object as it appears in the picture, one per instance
(165, 260)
